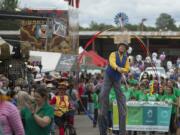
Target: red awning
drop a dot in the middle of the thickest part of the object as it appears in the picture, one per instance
(95, 59)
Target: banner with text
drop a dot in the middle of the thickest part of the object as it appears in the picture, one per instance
(144, 116)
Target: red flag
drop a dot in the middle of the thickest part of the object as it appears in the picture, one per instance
(73, 3)
(77, 3)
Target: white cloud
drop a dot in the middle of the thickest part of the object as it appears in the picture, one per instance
(104, 11)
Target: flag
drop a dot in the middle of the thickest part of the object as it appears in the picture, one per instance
(77, 3)
(73, 3)
(151, 87)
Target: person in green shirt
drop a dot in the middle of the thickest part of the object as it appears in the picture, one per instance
(112, 98)
(152, 94)
(96, 106)
(176, 91)
(123, 87)
(131, 80)
(141, 96)
(161, 93)
(141, 92)
(128, 93)
(38, 115)
(151, 97)
(170, 98)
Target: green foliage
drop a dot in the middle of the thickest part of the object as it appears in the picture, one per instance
(94, 26)
(8, 5)
(132, 27)
(165, 22)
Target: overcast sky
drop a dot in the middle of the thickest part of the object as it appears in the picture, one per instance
(104, 11)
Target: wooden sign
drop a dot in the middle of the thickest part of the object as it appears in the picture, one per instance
(122, 39)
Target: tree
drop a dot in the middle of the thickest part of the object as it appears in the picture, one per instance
(94, 26)
(97, 26)
(9, 24)
(8, 5)
(131, 27)
(165, 22)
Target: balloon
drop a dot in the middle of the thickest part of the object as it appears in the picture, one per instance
(154, 59)
(141, 67)
(129, 51)
(171, 70)
(154, 55)
(169, 65)
(139, 58)
(158, 62)
(131, 59)
(148, 59)
(162, 56)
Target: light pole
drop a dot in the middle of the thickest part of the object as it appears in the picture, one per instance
(142, 24)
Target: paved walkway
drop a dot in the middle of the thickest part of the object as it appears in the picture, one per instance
(84, 126)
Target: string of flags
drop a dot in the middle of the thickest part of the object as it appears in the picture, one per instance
(73, 3)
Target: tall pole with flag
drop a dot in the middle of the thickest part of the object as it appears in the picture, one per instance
(73, 3)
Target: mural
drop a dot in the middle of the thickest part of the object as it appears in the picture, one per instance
(56, 34)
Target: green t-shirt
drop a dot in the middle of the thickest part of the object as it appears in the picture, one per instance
(153, 97)
(141, 96)
(123, 87)
(96, 100)
(171, 99)
(136, 93)
(133, 81)
(31, 127)
(161, 97)
(128, 94)
(176, 92)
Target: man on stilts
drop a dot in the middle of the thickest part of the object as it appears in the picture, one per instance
(118, 64)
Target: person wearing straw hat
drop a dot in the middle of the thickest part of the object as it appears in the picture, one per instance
(118, 64)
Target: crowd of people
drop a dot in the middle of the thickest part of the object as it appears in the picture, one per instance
(35, 109)
(41, 104)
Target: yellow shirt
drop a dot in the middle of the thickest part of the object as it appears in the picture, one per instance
(112, 62)
(62, 106)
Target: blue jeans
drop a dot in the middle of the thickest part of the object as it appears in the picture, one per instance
(90, 108)
(104, 101)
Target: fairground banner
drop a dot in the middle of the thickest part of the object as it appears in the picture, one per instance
(144, 116)
(57, 33)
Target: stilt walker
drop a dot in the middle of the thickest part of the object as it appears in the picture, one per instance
(118, 64)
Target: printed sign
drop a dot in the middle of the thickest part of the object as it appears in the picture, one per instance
(144, 116)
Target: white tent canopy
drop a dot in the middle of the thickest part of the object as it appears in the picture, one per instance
(49, 60)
